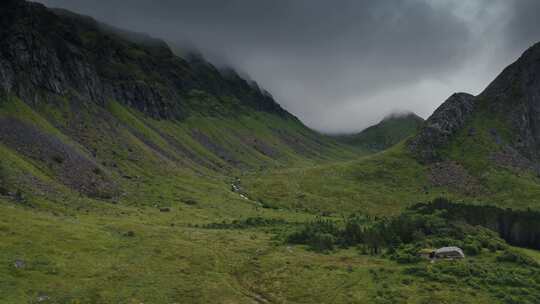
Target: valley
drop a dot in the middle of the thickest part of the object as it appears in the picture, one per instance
(129, 174)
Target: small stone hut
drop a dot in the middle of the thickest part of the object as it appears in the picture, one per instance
(451, 252)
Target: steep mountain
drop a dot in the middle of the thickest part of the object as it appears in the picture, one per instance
(131, 175)
(96, 63)
(481, 149)
(89, 106)
(499, 127)
(388, 132)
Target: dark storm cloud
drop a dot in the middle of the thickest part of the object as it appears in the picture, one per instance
(340, 65)
(524, 26)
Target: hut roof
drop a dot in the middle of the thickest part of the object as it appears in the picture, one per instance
(449, 250)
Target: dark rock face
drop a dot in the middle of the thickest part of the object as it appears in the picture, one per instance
(508, 157)
(453, 176)
(515, 95)
(47, 52)
(449, 118)
(513, 99)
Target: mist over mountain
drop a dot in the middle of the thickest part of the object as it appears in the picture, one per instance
(341, 67)
(134, 169)
(388, 132)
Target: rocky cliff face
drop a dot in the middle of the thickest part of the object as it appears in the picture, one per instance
(512, 100)
(515, 96)
(449, 118)
(47, 52)
(88, 107)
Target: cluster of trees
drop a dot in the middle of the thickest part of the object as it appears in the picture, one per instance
(374, 234)
(517, 227)
(400, 237)
(506, 272)
(251, 222)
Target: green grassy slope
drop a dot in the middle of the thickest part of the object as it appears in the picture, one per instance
(89, 258)
(93, 249)
(118, 146)
(79, 249)
(387, 182)
(380, 184)
(390, 131)
(84, 249)
(117, 202)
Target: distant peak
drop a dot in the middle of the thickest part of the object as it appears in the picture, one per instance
(400, 115)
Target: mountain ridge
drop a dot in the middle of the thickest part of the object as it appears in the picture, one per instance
(510, 107)
(101, 107)
(203, 190)
(95, 62)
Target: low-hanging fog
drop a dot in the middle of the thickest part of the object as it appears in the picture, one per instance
(341, 65)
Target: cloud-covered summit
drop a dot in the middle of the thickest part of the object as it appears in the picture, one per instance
(341, 65)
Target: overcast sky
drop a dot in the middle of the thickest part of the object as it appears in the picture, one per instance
(342, 65)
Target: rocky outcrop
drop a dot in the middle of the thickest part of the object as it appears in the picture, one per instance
(512, 100)
(449, 118)
(508, 157)
(453, 176)
(47, 52)
(515, 97)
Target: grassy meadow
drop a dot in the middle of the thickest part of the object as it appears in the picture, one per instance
(166, 234)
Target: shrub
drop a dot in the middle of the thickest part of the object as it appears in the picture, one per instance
(3, 181)
(406, 254)
(322, 242)
(320, 235)
(472, 248)
(517, 258)
(251, 222)
(353, 233)
(189, 201)
(311, 229)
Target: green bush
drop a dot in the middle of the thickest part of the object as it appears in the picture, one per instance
(353, 232)
(320, 235)
(311, 229)
(251, 222)
(406, 254)
(4, 190)
(322, 242)
(517, 258)
(473, 248)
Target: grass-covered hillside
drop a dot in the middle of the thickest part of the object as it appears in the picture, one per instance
(387, 182)
(388, 132)
(131, 175)
(100, 151)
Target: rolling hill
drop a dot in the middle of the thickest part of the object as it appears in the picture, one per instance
(481, 149)
(385, 134)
